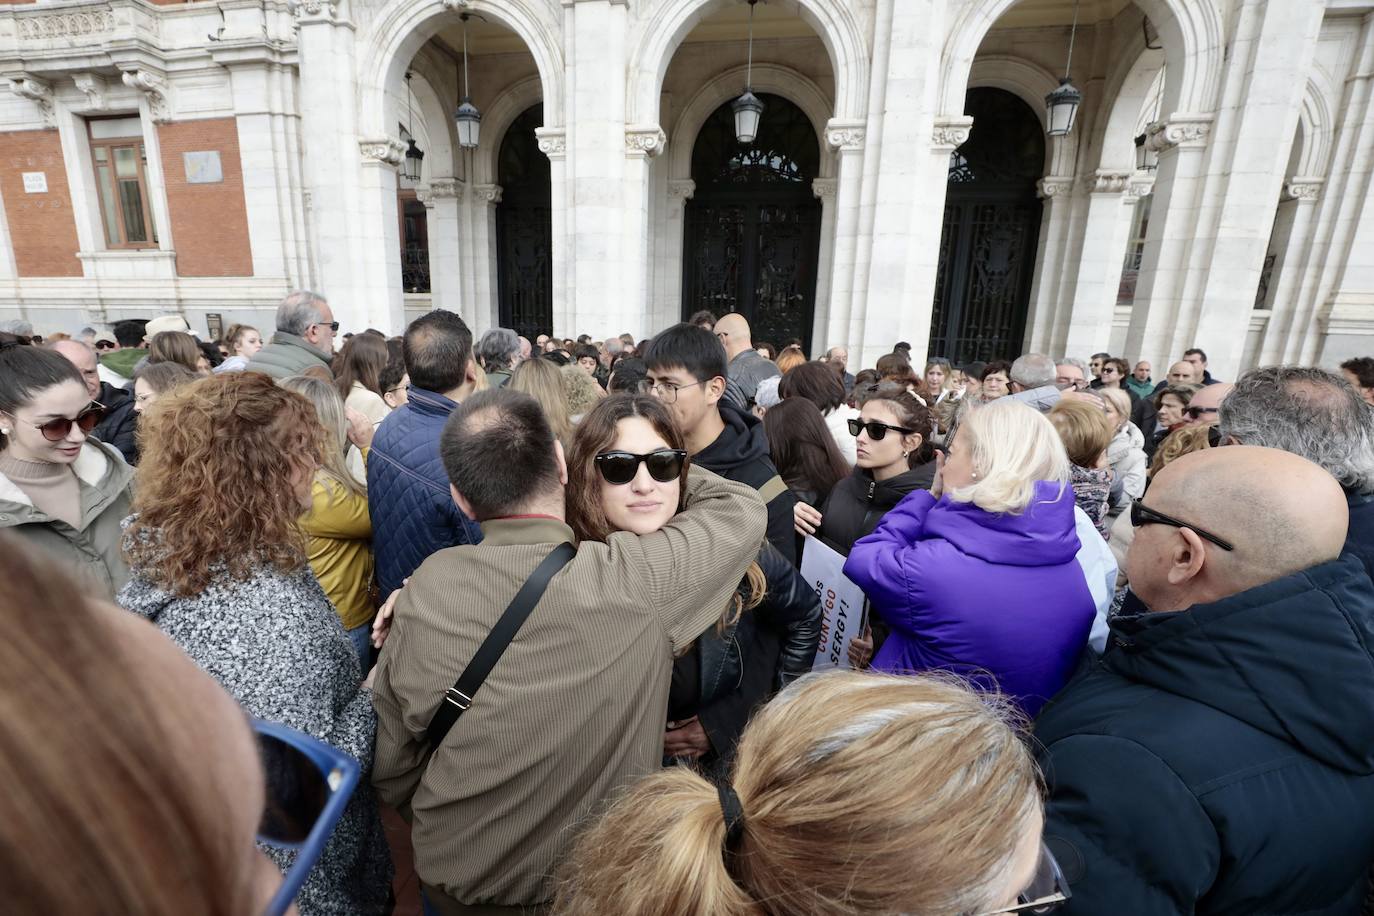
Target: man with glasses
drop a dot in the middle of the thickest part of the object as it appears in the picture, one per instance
(1220, 756)
(1205, 405)
(304, 338)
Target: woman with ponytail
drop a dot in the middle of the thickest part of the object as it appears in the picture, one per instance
(852, 794)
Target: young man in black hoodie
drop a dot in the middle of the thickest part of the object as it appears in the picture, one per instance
(687, 370)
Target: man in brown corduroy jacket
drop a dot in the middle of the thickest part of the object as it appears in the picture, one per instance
(575, 709)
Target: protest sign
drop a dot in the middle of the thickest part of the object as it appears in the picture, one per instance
(842, 603)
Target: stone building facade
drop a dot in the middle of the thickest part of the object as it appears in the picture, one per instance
(208, 156)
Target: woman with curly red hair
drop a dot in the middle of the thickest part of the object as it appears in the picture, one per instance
(228, 581)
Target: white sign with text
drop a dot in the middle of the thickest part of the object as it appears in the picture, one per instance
(35, 182)
(842, 604)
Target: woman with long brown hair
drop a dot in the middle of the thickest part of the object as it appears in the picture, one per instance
(803, 450)
(852, 794)
(240, 342)
(626, 472)
(357, 375)
(228, 581)
(177, 347)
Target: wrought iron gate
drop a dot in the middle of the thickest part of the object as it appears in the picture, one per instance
(991, 226)
(752, 232)
(524, 231)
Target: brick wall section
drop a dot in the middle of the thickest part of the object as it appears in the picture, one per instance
(209, 221)
(42, 226)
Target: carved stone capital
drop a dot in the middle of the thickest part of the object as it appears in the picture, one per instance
(1304, 187)
(1105, 181)
(553, 141)
(951, 133)
(386, 150)
(491, 193)
(682, 189)
(1054, 185)
(446, 188)
(154, 88)
(823, 189)
(845, 135)
(1184, 131)
(455, 6)
(93, 85)
(1142, 184)
(647, 141)
(314, 10)
(37, 91)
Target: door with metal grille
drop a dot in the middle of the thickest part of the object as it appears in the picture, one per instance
(991, 226)
(524, 230)
(753, 226)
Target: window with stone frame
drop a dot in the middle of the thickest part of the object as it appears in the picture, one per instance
(120, 162)
(1135, 252)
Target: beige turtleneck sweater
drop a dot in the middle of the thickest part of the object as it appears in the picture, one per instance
(53, 488)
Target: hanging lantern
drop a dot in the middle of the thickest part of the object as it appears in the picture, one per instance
(1061, 105)
(748, 108)
(467, 118)
(410, 170)
(1145, 158)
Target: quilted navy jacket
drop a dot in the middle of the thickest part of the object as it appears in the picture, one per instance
(413, 514)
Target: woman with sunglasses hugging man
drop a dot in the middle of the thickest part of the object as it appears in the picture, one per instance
(60, 490)
(894, 458)
(626, 472)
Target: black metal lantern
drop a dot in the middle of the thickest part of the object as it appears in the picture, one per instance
(1145, 158)
(1061, 105)
(748, 108)
(410, 170)
(467, 118)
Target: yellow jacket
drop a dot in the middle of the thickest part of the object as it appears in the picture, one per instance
(340, 549)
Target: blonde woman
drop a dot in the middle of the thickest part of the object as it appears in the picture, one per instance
(337, 523)
(541, 380)
(852, 794)
(580, 391)
(1126, 454)
(980, 575)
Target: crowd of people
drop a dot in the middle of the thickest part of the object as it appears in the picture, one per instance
(544, 598)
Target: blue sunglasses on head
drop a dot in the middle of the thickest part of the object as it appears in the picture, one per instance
(308, 787)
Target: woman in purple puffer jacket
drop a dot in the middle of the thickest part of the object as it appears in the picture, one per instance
(984, 580)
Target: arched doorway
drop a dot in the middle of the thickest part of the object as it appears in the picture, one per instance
(752, 234)
(992, 222)
(524, 230)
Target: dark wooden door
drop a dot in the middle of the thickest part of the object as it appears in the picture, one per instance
(991, 227)
(752, 234)
(524, 230)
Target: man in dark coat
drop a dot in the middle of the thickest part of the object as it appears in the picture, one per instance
(1219, 758)
(1320, 416)
(120, 424)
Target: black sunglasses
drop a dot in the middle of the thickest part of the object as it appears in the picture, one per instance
(876, 430)
(332, 325)
(665, 465)
(1194, 413)
(87, 420)
(1142, 514)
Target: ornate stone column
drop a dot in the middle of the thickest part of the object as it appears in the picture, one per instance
(823, 189)
(378, 253)
(847, 139)
(442, 199)
(486, 312)
(642, 145)
(553, 142)
(1052, 253)
(680, 190)
(1097, 268)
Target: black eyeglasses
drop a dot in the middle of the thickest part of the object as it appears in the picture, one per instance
(665, 465)
(876, 430)
(59, 429)
(1194, 413)
(1142, 514)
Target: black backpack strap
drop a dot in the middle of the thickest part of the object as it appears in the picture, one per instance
(458, 698)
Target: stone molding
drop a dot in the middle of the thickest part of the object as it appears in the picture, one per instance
(951, 133)
(1142, 184)
(446, 188)
(823, 189)
(846, 135)
(682, 189)
(72, 24)
(490, 193)
(37, 91)
(1107, 181)
(1054, 186)
(1182, 130)
(553, 141)
(314, 10)
(647, 141)
(154, 87)
(384, 150)
(93, 86)
(454, 6)
(1303, 187)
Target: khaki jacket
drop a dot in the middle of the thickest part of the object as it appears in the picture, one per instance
(574, 710)
(91, 551)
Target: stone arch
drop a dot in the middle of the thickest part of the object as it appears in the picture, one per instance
(834, 22)
(1117, 141)
(1030, 82)
(509, 104)
(403, 26)
(1315, 120)
(772, 78)
(1191, 32)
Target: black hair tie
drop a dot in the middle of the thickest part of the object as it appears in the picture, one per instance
(733, 812)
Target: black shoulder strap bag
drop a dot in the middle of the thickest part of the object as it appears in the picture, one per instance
(458, 698)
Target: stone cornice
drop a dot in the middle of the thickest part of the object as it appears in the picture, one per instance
(1108, 181)
(1304, 187)
(1186, 131)
(1054, 185)
(491, 193)
(845, 135)
(823, 189)
(446, 187)
(553, 141)
(154, 88)
(647, 140)
(307, 11)
(383, 150)
(950, 133)
(37, 91)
